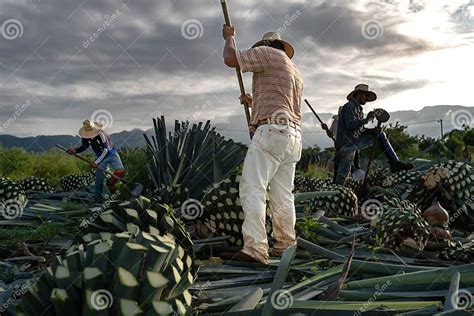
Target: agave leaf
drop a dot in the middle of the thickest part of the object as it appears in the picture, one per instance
(62, 303)
(129, 308)
(249, 302)
(280, 277)
(356, 306)
(332, 292)
(152, 286)
(319, 249)
(159, 308)
(441, 275)
(450, 302)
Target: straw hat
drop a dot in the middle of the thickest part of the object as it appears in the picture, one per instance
(274, 36)
(90, 129)
(371, 96)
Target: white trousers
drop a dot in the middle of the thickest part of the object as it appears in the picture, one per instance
(270, 162)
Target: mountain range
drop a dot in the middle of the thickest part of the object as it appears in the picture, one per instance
(423, 122)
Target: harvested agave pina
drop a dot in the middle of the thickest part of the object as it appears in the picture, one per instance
(434, 177)
(436, 214)
(400, 222)
(439, 234)
(12, 199)
(35, 184)
(344, 203)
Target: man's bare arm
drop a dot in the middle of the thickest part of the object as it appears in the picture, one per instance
(230, 58)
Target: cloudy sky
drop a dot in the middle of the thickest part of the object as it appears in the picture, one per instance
(124, 62)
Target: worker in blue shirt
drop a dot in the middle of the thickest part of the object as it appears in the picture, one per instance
(106, 156)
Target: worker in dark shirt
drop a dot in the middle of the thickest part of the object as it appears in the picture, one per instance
(106, 155)
(352, 134)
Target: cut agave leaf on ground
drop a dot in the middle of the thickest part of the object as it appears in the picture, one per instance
(442, 275)
(356, 306)
(332, 292)
(278, 281)
(249, 302)
(452, 298)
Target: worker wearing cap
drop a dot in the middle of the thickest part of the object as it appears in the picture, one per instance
(352, 134)
(277, 87)
(106, 154)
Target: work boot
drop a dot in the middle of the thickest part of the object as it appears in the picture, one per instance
(239, 256)
(112, 181)
(398, 165)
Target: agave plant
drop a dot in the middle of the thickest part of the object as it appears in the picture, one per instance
(345, 202)
(33, 183)
(128, 273)
(402, 182)
(185, 162)
(141, 213)
(75, 182)
(450, 183)
(223, 214)
(400, 222)
(12, 199)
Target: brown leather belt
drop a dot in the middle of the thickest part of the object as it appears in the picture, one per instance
(278, 121)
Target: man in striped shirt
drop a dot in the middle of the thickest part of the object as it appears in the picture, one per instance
(275, 149)
(106, 155)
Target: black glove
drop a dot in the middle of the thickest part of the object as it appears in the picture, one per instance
(372, 131)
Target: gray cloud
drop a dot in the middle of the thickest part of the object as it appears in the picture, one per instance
(142, 66)
(463, 16)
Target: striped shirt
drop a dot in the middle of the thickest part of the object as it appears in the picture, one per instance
(101, 145)
(277, 84)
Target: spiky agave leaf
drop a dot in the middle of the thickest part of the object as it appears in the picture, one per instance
(189, 159)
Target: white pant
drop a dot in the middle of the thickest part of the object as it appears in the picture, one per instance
(271, 161)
